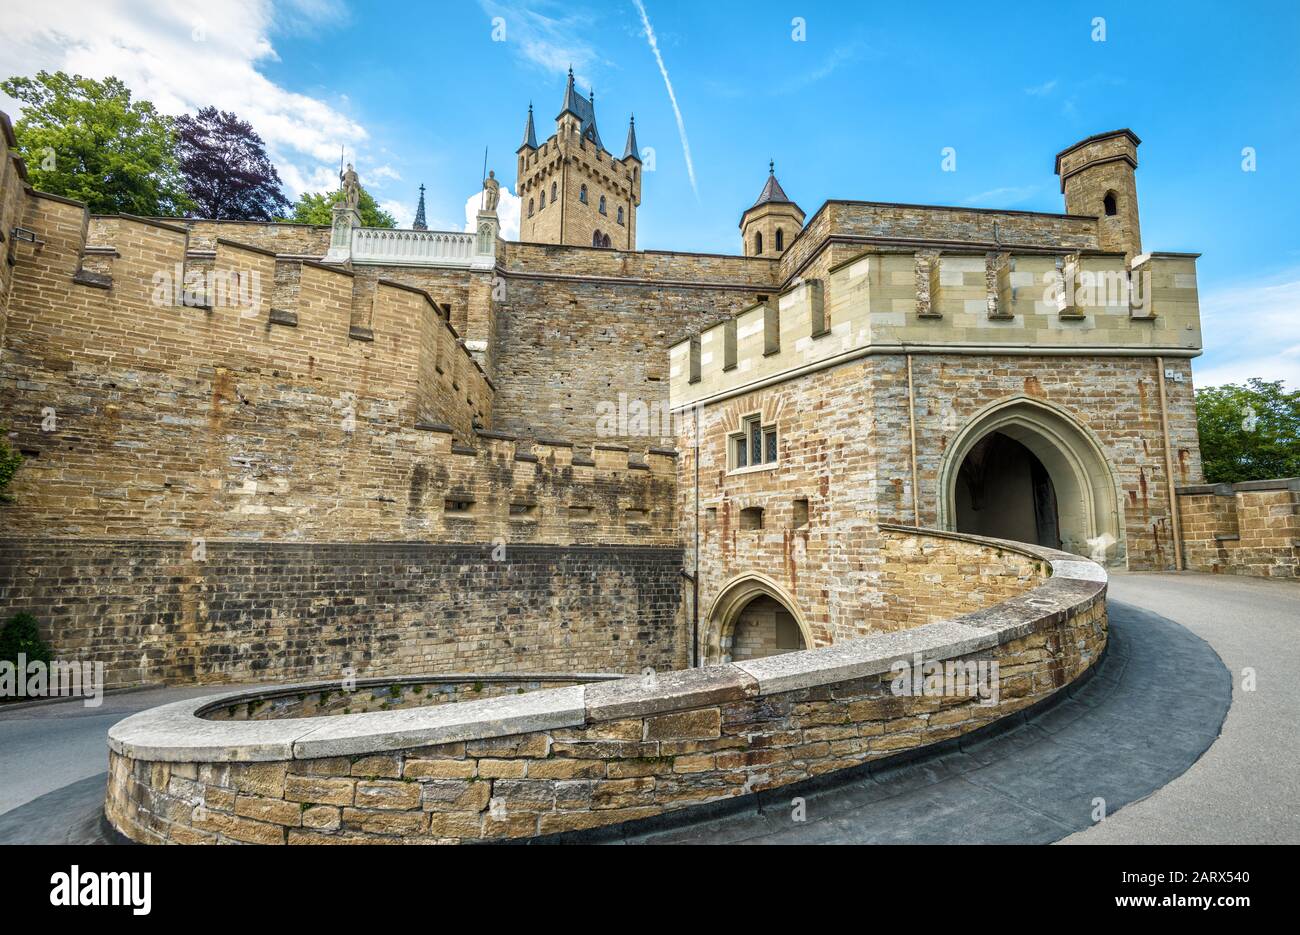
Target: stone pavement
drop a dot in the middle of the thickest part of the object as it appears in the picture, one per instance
(1135, 735)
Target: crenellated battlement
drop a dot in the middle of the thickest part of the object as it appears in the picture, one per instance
(230, 393)
(1077, 302)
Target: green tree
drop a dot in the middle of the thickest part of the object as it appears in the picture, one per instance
(316, 208)
(1249, 432)
(85, 139)
(9, 462)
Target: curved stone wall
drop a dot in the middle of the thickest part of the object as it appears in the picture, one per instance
(588, 755)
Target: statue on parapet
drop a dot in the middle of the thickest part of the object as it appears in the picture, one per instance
(351, 188)
(491, 192)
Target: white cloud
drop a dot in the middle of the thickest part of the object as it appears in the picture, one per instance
(1001, 197)
(402, 213)
(507, 212)
(672, 96)
(545, 35)
(1251, 330)
(183, 58)
(383, 172)
(841, 55)
(1042, 90)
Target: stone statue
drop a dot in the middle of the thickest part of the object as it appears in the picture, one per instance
(351, 188)
(492, 192)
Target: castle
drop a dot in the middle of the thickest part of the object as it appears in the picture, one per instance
(270, 450)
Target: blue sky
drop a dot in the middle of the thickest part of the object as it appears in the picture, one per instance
(862, 108)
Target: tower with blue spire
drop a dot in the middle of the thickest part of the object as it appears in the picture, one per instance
(572, 190)
(419, 223)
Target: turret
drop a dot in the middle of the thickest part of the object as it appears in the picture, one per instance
(572, 190)
(530, 133)
(1097, 178)
(630, 151)
(769, 226)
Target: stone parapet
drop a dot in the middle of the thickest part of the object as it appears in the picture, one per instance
(592, 755)
(1250, 528)
(964, 300)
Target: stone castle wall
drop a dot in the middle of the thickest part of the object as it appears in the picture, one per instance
(1251, 528)
(597, 755)
(160, 610)
(577, 328)
(187, 461)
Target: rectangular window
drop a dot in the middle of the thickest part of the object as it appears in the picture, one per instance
(755, 444)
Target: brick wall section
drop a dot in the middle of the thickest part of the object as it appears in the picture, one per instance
(932, 577)
(641, 750)
(567, 343)
(297, 239)
(1251, 528)
(1116, 399)
(277, 611)
(12, 204)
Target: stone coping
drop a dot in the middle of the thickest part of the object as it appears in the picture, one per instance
(1227, 490)
(177, 733)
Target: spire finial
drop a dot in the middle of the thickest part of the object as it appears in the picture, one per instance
(771, 167)
(419, 223)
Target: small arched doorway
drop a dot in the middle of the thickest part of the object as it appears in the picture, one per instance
(1004, 491)
(753, 617)
(1026, 470)
(764, 628)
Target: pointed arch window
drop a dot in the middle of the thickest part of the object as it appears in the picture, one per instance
(758, 244)
(582, 194)
(780, 240)
(541, 200)
(620, 214)
(553, 191)
(595, 238)
(602, 204)
(530, 207)
(1110, 204)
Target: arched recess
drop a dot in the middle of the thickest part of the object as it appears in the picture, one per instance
(735, 596)
(1087, 495)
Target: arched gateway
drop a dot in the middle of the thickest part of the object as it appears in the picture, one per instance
(1026, 470)
(753, 616)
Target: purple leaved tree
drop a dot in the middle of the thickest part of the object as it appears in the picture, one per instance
(227, 172)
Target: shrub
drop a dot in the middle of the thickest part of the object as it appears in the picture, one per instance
(9, 462)
(21, 635)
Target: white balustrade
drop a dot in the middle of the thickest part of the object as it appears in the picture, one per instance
(415, 248)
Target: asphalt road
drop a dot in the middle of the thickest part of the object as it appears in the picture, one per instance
(1246, 788)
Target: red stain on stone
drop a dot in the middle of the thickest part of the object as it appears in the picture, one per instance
(1034, 388)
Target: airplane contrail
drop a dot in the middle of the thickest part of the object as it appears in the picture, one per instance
(672, 97)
